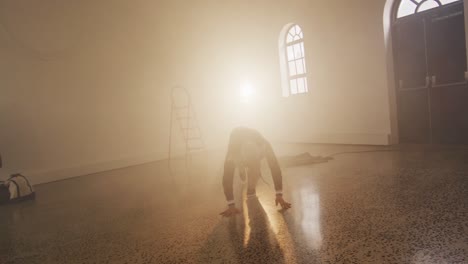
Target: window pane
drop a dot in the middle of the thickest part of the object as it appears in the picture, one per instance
(444, 2)
(428, 5)
(297, 51)
(300, 66)
(292, 31)
(295, 61)
(298, 29)
(293, 84)
(406, 8)
(300, 85)
(304, 65)
(292, 68)
(290, 53)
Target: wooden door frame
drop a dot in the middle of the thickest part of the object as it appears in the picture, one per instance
(389, 18)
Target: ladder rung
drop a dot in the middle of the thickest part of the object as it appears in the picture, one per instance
(184, 117)
(180, 107)
(197, 148)
(199, 145)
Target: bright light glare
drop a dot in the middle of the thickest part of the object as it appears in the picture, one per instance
(247, 92)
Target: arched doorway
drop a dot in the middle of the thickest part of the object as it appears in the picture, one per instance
(430, 71)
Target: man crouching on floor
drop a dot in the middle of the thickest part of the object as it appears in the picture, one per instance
(247, 148)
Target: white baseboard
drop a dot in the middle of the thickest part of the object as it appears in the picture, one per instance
(50, 175)
(340, 138)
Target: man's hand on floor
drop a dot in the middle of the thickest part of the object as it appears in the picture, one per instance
(284, 205)
(231, 211)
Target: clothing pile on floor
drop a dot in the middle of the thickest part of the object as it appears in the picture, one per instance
(302, 160)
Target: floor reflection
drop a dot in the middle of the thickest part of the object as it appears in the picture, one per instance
(259, 242)
(298, 230)
(309, 215)
(373, 208)
(246, 238)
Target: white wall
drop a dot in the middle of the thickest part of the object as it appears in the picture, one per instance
(348, 102)
(81, 90)
(85, 85)
(392, 96)
(346, 58)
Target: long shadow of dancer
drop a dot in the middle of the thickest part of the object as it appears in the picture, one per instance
(246, 238)
(259, 241)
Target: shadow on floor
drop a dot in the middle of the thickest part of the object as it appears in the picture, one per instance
(246, 238)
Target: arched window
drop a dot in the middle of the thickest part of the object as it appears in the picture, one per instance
(410, 7)
(293, 60)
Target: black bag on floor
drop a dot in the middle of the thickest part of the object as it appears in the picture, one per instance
(16, 188)
(4, 193)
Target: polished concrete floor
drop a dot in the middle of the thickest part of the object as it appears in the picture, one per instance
(405, 206)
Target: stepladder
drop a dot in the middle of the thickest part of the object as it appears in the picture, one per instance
(184, 130)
